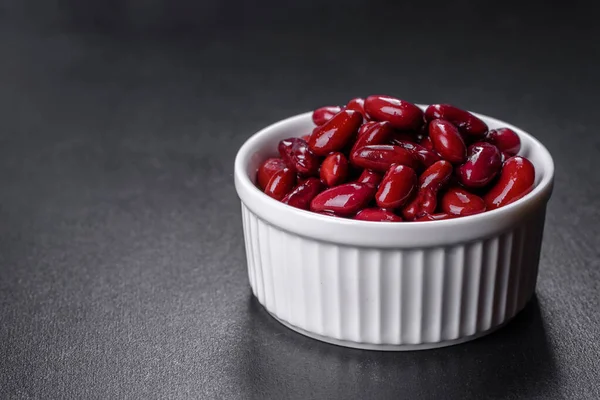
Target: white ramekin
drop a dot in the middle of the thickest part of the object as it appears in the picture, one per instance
(390, 286)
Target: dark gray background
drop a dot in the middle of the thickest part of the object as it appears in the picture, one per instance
(122, 268)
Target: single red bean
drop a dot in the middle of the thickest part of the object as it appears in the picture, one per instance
(370, 177)
(335, 133)
(426, 142)
(324, 114)
(436, 176)
(346, 199)
(447, 141)
(377, 215)
(334, 169)
(285, 150)
(375, 133)
(430, 182)
(459, 201)
(426, 157)
(435, 217)
(397, 185)
(423, 203)
(466, 122)
(401, 114)
(267, 169)
(357, 104)
(280, 183)
(505, 139)
(381, 157)
(482, 165)
(297, 155)
(516, 180)
(303, 194)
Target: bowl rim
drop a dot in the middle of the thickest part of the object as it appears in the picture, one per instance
(381, 234)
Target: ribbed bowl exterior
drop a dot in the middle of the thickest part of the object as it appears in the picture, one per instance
(384, 296)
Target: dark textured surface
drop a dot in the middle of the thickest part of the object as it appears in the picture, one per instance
(122, 268)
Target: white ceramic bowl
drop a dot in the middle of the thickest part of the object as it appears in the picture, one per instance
(390, 286)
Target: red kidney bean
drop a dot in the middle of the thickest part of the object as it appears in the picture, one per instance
(505, 139)
(370, 178)
(447, 141)
(335, 133)
(423, 203)
(297, 155)
(357, 104)
(436, 176)
(430, 182)
(435, 217)
(377, 215)
(346, 199)
(381, 157)
(459, 201)
(324, 114)
(401, 114)
(266, 171)
(334, 170)
(280, 183)
(482, 165)
(426, 142)
(466, 122)
(303, 194)
(397, 185)
(375, 133)
(425, 156)
(516, 180)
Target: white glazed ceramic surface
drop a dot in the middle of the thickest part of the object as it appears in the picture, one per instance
(390, 286)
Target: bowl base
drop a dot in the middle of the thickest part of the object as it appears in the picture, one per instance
(388, 347)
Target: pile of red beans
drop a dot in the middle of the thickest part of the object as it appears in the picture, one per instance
(384, 159)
